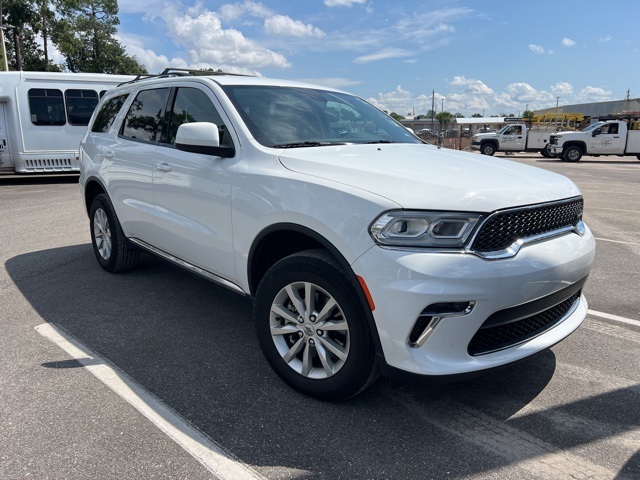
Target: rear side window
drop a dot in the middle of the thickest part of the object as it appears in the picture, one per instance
(80, 105)
(46, 106)
(107, 114)
(144, 118)
(193, 105)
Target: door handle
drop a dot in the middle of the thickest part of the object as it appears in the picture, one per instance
(163, 167)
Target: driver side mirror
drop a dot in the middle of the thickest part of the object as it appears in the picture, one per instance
(202, 137)
(597, 131)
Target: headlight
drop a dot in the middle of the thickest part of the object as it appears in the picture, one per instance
(423, 229)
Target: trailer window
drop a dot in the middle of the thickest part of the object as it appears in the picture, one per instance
(80, 105)
(108, 113)
(46, 106)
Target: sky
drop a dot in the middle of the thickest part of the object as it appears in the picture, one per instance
(488, 57)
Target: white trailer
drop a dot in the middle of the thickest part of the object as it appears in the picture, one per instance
(43, 116)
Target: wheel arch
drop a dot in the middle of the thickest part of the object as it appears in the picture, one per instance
(575, 143)
(92, 188)
(281, 240)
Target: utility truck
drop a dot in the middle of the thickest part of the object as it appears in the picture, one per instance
(43, 116)
(524, 136)
(620, 137)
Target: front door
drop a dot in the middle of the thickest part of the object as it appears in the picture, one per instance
(606, 140)
(193, 191)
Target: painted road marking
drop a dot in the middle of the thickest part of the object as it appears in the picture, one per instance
(213, 457)
(614, 317)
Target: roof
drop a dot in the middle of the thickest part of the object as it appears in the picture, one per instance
(480, 120)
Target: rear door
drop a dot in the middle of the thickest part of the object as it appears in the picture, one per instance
(131, 158)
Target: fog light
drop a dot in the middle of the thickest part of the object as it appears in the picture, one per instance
(431, 316)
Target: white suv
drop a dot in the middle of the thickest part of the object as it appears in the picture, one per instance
(366, 250)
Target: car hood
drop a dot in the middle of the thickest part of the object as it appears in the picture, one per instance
(417, 176)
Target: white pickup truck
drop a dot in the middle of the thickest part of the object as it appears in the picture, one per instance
(515, 137)
(612, 137)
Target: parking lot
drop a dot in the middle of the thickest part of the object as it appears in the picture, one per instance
(157, 373)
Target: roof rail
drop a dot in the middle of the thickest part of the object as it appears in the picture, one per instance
(182, 72)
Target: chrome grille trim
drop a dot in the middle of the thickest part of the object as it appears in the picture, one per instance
(520, 236)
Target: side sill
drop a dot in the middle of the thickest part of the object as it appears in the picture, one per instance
(188, 266)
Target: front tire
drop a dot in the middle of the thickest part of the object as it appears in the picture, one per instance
(109, 243)
(488, 149)
(572, 154)
(312, 327)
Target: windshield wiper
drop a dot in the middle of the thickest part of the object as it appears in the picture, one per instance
(306, 144)
(378, 141)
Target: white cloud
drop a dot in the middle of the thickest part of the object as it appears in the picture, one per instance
(536, 49)
(383, 54)
(567, 42)
(343, 3)
(207, 43)
(332, 82)
(284, 25)
(593, 94)
(605, 39)
(471, 86)
(234, 11)
(562, 89)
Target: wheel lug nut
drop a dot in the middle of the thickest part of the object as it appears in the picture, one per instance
(319, 332)
(312, 318)
(312, 341)
(300, 319)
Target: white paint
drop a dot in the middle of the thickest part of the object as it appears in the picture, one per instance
(614, 317)
(213, 457)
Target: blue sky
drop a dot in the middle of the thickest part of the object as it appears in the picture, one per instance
(490, 56)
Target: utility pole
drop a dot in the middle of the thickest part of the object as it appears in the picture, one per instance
(433, 99)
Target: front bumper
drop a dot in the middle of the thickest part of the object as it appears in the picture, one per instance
(554, 149)
(404, 283)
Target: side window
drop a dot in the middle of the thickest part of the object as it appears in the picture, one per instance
(80, 105)
(46, 106)
(193, 105)
(144, 119)
(107, 114)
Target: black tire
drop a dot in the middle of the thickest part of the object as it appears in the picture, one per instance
(332, 363)
(545, 153)
(572, 154)
(110, 246)
(487, 149)
(638, 157)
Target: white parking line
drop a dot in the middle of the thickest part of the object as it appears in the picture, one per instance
(614, 317)
(615, 241)
(214, 458)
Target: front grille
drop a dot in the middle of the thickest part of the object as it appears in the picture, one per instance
(504, 228)
(492, 338)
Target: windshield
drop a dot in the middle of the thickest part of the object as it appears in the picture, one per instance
(288, 117)
(593, 126)
(503, 129)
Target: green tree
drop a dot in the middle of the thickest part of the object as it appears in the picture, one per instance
(476, 115)
(84, 34)
(395, 116)
(445, 118)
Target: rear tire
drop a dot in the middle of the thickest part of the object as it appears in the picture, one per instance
(312, 328)
(110, 246)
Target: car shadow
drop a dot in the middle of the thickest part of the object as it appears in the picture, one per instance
(192, 345)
